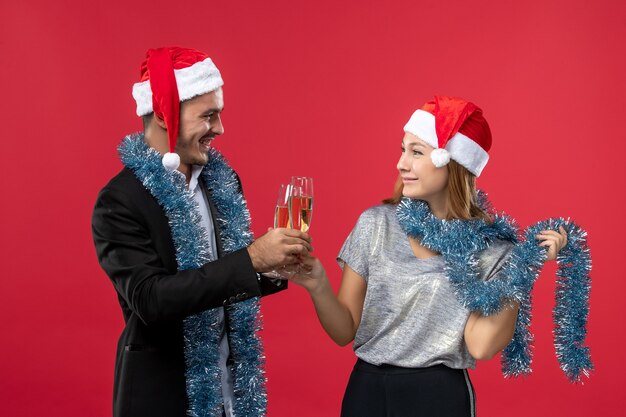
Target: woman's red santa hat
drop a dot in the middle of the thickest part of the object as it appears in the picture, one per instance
(456, 129)
(168, 76)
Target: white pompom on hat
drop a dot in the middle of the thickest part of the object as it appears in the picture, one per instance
(456, 129)
(168, 76)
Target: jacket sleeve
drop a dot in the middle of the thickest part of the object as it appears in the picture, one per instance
(272, 285)
(128, 255)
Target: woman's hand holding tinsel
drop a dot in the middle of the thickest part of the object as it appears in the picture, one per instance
(554, 241)
(460, 241)
(571, 299)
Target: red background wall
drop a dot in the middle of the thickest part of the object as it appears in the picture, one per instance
(320, 89)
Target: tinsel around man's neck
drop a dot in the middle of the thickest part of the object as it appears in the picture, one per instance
(201, 334)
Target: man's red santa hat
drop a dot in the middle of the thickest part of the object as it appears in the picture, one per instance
(456, 129)
(168, 76)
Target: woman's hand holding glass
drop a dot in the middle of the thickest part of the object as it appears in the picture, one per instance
(311, 275)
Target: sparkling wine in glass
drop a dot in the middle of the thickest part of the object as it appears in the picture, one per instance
(281, 215)
(301, 203)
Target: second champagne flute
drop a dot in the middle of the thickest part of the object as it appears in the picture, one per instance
(301, 203)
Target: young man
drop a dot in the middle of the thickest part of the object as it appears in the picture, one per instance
(172, 232)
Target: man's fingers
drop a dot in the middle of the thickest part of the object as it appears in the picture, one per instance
(309, 261)
(291, 260)
(301, 250)
(296, 241)
(292, 255)
(297, 234)
(300, 243)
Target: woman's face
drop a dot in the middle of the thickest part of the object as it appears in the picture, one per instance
(421, 178)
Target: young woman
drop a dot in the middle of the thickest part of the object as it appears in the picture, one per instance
(413, 335)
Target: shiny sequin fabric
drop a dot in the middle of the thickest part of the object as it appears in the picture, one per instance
(411, 316)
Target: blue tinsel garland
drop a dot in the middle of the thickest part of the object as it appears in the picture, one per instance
(201, 332)
(459, 241)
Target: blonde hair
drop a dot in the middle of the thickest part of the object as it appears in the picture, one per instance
(462, 195)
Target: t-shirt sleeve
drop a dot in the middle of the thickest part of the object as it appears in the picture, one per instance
(355, 251)
(493, 260)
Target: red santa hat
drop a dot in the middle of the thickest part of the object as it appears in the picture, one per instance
(168, 76)
(456, 129)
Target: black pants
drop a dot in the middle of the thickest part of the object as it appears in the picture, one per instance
(391, 391)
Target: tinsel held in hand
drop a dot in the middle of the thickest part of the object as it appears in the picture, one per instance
(460, 241)
(201, 331)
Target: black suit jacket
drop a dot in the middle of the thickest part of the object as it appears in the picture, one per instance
(135, 248)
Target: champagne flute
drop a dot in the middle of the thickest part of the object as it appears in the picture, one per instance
(300, 208)
(281, 214)
(281, 217)
(301, 203)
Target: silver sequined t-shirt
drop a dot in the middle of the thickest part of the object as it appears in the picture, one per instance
(411, 317)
